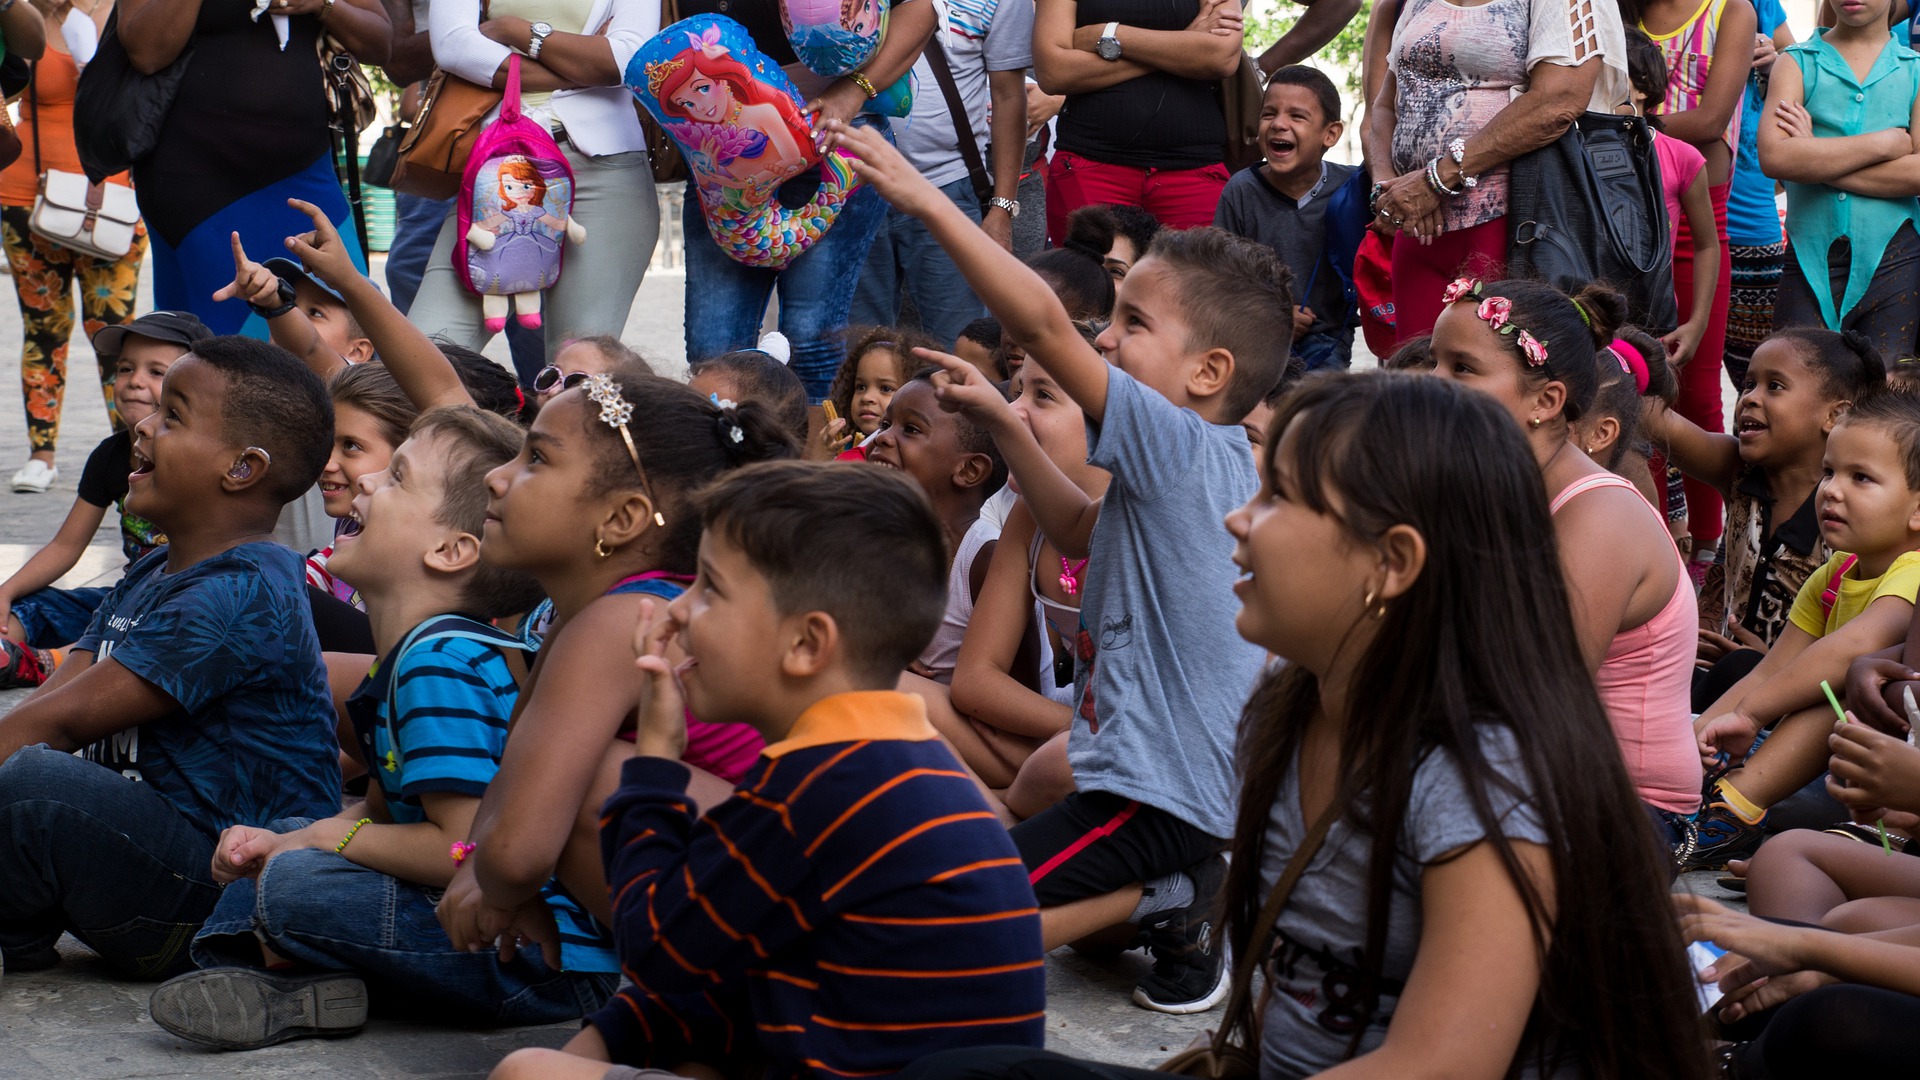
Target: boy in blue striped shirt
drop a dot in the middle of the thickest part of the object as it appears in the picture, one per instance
(855, 904)
(322, 918)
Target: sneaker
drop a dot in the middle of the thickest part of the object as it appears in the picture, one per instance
(1713, 836)
(1190, 969)
(238, 1008)
(22, 666)
(35, 477)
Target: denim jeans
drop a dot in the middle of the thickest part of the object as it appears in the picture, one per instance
(727, 301)
(906, 260)
(416, 226)
(1328, 351)
(86, 850)
(320, 910)
(56, 617)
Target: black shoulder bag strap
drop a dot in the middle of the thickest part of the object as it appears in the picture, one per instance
(962, 126)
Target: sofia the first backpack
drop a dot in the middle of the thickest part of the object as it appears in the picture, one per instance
(515, 213)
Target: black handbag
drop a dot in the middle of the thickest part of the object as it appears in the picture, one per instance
(383, 156)
(118, 110)
(16, 74)
(1587, 208)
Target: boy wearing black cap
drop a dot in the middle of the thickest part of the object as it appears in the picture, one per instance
(36, 618)
(303, 315)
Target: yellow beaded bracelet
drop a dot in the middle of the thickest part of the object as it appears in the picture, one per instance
(865, 84)
(341, 847)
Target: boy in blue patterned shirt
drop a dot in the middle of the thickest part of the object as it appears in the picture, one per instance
(323, 918)
(199, 676)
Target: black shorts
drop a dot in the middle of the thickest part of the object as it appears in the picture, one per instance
(1092, 843)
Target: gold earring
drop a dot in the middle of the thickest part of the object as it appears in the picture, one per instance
(1534, 423)
(600, 548)
(1368, 605)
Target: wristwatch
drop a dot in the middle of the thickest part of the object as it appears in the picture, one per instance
(1011, 206)
(288, 300)
(1108, 47)
(539, 38)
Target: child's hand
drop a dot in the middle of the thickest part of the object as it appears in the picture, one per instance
(1302, 320)
(1731, 733)
(834, 438)
(879, 164)
(1764, 948)
(961, 388)
(1682, 343)
(1872, 771)
(1868, 679)
(662, 729)
(531, 924)
(252, 282)
(243, 851)
(322, 251)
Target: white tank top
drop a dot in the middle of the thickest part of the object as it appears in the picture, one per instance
(944, 651)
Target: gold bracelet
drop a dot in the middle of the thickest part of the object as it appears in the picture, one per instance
(865, 84)
(326, 9)
(341, 847)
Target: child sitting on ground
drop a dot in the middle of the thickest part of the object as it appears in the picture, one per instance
(979, 345)
(877, 364)
(956, 464)
(758, 374)
(1122, 231)
(35, 617)
(318, 918)
(1077, 273)
(1293, 202)
(1800, 382)
(304, 315)
(854, 860)
(1610, 432)
(597, 508)
(1199, 337)
(1860, 602)
(200, 675)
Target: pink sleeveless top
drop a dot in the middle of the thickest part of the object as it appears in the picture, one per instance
(1646, 684)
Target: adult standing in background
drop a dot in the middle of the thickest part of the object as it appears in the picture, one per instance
(43, 271)
(247, 131)
(1322, 22)
(1143, 125)
(1755, 245)
(574, 57)
(987, 47)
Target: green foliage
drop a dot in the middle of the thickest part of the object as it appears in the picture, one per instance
(1340, 59)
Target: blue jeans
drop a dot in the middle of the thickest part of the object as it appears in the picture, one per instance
(56, 617)
(416, 226)
(86, 850)
(906, 260)
(1327, 351)
(726, 301)
(320, 910)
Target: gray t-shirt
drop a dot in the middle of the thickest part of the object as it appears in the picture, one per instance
(985, 35)
(1320, 947)
(1161, 698)
(1252, 207)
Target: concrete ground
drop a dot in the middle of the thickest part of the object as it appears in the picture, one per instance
(76, 1021)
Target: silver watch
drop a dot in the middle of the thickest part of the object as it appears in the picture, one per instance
(1108, 47)
(538, 39)
(1011, 206)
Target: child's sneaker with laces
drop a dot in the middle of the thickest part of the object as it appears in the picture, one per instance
(1191, 973)
(1715, 835)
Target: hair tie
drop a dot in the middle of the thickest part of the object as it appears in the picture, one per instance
(1633, 362)
(519, 399)
(1581, 310)
(731, 433)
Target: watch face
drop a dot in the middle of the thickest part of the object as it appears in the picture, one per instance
(543, 29)
(1107, 48)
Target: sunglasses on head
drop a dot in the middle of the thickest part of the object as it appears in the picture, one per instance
(552, 380)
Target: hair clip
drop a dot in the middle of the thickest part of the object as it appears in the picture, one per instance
(617, 412)
(724, 403)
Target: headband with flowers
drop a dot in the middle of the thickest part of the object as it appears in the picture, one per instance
(1497, 312)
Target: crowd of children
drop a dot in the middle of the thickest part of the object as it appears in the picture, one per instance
(764, 738)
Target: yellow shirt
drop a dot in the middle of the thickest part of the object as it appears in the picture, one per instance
(1902, 579)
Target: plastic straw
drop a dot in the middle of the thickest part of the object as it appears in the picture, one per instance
(1834, 700)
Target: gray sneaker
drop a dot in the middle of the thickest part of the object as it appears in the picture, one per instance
(238, 1008)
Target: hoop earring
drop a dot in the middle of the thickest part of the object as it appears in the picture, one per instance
(1368, 605)
(600, 548)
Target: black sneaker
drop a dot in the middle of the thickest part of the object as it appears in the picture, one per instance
(22, 667)
(238, 1008)
(1190, 972)
(1713, 836)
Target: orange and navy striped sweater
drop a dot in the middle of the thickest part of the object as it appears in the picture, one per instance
(852, 907)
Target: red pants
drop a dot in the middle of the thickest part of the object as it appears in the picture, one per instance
(1421, 272)
(1700, 398)
(1179, 198)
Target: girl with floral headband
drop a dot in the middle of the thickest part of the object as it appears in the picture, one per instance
(1532, 348)
(597, 509)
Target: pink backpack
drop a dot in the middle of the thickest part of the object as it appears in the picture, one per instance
(515, 208)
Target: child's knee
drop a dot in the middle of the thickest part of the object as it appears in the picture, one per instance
(303, 889)
(1793, 848)
(527, 1064)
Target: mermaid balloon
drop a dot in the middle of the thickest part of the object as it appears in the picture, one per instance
(834, 37)
(744, 131)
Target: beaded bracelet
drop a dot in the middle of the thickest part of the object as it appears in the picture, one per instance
(859, 79)
(460, 850)
(341, 847)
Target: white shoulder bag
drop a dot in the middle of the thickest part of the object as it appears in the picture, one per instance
(92, 219)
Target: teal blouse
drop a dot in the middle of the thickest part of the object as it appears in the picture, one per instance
(1817, 215)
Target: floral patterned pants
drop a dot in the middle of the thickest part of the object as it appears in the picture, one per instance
(43, 276)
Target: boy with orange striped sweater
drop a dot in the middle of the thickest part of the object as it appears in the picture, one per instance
(855, 904)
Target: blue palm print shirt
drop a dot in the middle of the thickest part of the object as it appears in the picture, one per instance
(231, 641)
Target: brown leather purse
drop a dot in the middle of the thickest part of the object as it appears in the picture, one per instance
(433, 153)
(1225, 1056)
